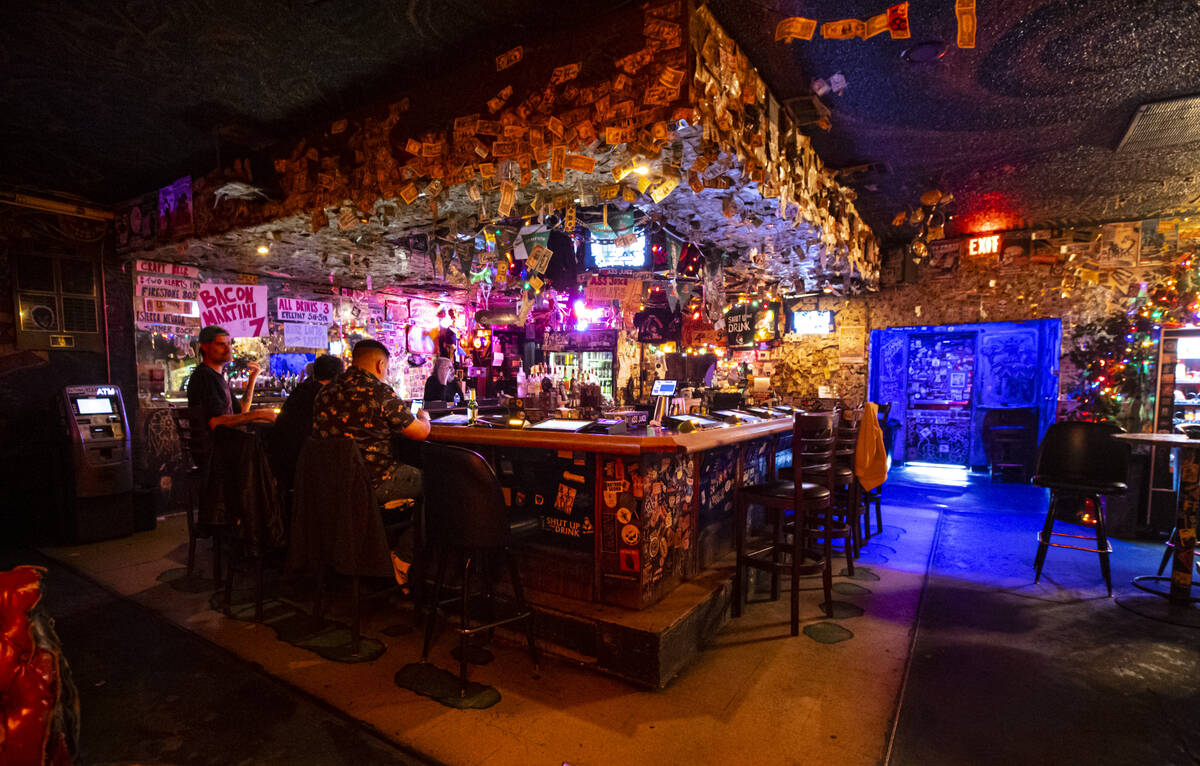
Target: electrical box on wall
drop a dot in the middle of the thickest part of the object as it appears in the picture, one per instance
(58, 303)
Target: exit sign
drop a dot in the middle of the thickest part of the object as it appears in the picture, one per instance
(989, 245)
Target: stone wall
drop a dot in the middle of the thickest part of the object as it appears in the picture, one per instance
(973, 289)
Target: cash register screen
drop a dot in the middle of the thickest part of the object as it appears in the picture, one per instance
(100, 405)
(663, 388)
(562, 425)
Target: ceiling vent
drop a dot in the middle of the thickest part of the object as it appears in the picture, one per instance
(1163, 123)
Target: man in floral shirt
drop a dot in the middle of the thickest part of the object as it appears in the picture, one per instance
(360, 405)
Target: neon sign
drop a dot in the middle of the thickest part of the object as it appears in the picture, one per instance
(989, 245)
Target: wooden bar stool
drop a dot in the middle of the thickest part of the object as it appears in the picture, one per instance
(808, 503)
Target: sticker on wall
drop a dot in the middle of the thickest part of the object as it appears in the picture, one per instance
(630, 534)
(565, 501)
(630, 561)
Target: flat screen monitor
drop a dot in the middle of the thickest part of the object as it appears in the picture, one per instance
(812, 322)
(737, 414)
(290, 363)
(696, 420)
(451, 420)
(607, 254)
(663, 388)
(99, 405)
(561, 425)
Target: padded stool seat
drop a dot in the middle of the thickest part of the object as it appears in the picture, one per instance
(1080, 484)
(783, 489)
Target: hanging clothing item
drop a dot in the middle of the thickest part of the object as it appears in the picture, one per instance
(870, 457)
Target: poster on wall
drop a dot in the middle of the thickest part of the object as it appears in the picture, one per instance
(739, 326)
(297, 335)
(852, 343)
(240, 309)
(175, 209)
(310, 312)
(1120, 244)
(135, 222)
(165, 297)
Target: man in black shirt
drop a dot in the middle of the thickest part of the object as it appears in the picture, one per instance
(209, 398)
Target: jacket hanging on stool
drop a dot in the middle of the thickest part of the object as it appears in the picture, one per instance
(870, 457)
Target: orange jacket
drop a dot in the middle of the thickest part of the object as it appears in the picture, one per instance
(870, 458)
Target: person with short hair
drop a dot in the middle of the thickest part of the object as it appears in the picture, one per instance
(360, 405)
(209, 398)
(295, 422)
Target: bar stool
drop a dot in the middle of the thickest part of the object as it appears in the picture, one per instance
(245, 500)
(468, 521)
(818, 460)
(812, 437)
(847, 493)
(337, 523)
(1080, 459)
(185, 427)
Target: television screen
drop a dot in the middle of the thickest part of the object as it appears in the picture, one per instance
(629, 254)
(812, 322)
(290, 363)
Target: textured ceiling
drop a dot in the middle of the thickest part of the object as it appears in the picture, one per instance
(113, 99)
(1022, 129)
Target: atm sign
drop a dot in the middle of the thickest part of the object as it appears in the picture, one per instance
(106, 390)
(989, 245)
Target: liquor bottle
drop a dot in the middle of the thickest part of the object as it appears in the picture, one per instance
(472, 406)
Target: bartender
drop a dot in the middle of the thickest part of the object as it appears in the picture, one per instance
(439, 386)
(210, 401)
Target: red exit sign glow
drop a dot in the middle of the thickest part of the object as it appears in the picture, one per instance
(984, 245)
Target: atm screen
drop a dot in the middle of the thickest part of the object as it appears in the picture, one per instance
(100, 405)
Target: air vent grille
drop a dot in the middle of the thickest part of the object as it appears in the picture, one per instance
(1163, 123)
(79, 315)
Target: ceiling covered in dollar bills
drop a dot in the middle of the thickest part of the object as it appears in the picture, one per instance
(111, 100)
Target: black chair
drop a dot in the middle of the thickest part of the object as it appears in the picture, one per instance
(810, 504)
(337, 523)
(242, 497)
(1010, 440)
(467, 521)
(1080, 460)
(185, 428)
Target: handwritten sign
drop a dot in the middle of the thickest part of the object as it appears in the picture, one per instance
(295, 310)
(305, 335)
(168, 269)
(601, 289)
(240, 309)
(165, 297)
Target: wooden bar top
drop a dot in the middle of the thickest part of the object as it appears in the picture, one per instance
(651, 439)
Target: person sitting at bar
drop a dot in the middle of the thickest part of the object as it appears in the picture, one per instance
(295, 422)
(360, 405)
(438, 386)
(209, 398)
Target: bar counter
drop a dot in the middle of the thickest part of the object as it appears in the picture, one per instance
(625, 517)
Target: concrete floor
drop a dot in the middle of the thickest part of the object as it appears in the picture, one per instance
(1008, 672)
(1002, 670)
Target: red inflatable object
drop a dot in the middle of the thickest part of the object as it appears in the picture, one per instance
(29, 677)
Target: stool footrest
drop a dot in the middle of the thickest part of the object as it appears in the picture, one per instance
(1107, 549)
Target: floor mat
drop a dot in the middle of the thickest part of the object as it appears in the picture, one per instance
(431, 681)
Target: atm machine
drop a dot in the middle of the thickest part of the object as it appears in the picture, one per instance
(99, 496)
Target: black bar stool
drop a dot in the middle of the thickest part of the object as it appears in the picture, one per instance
(809, 503)
(186, 427)
(1082, 460)
(467, 521)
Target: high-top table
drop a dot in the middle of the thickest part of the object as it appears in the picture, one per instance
(1187, 511)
